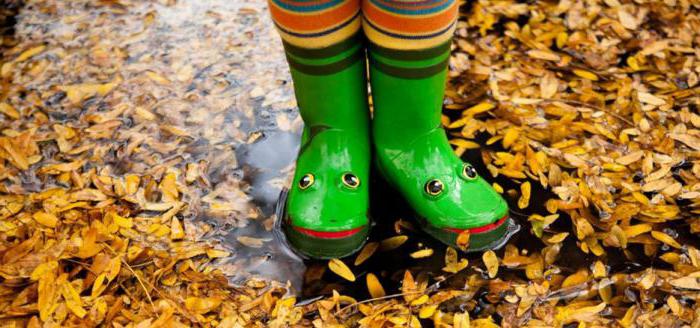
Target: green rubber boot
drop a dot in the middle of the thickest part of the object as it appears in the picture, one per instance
(327, 205)
(414, 156)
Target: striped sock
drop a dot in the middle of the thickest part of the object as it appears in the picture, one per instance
(315, 24)
(409, 25)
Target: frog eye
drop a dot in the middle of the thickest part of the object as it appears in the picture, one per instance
(434, 187)
(306, 181)
(351, 181)
(469, 172)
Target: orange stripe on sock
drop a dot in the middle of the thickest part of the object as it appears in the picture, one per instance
(401, 24)
(417, 5)
(314, 22)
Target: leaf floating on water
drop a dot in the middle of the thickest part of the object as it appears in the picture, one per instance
(366, 252)
(558, 238)
(427, 252)
(78, 92)
(408, 287)
(251, 241)
(666, 239)
(525, 190)
(480, 108)
(374, 287)
(392, 243)
(491, 261)
(452, 264)
(342, 270)
(462, 240)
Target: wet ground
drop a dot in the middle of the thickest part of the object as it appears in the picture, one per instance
(216, 70)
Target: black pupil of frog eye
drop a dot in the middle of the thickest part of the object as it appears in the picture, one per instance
(306, 181)
(434, 187)
(351, 180)
(470, 171)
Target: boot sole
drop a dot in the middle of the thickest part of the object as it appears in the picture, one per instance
(492, 236)
(311, 244)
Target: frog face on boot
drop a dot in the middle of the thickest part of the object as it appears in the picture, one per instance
(460, 198)
(448, 195)
(326, 214)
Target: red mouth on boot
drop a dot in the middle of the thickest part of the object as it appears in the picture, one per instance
(482, 229)
(329, 234)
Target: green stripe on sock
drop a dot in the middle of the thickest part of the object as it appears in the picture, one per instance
(327, 68)
(330, 51)
(407, 72)
(410, 54)
(410, 64)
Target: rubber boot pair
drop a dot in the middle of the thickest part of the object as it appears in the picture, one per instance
(327, 206)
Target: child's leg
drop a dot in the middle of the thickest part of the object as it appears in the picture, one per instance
(409, 52)
(326, 211)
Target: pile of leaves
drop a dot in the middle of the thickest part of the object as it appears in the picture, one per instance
(112, 151)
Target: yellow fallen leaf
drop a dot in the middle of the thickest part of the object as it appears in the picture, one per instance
(466, 144)
(666, 239)
(99, 285)
(374, 286)
(366, 252)
(46, 219)
(392, 243)
(480, 108)
(525, 190)
(420, 301)
(562, 38)
(558, 238)
(422, 253)
(497, 187)
(217, 253)
(576, 278)
(78, 92)
(510, 137)
(462, 240)
(543, 54)
(461, 320)
(650, 99)
(491, 261)
(427, 311)
(342, 270)
(585, 74)
(176, 231)
(29, 53)
(202, 305)
(8, 110)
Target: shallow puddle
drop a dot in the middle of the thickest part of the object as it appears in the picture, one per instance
(197, 82)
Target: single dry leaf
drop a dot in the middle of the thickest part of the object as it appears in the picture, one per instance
(366, 252)
(427, 252)
(491, 261)
(392, 243)
(342, 270)
(374, 287)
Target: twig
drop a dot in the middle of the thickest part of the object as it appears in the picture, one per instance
(148, 295)
(583, 104)
(375, 299)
